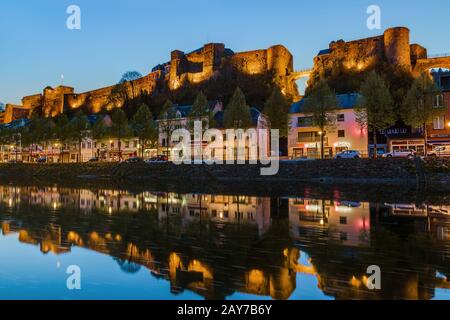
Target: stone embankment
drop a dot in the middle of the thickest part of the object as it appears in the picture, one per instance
(358, 171)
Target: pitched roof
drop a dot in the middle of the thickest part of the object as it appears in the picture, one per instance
(324, 51)
(346, 101)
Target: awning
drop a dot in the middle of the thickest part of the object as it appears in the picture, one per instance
(439, 142)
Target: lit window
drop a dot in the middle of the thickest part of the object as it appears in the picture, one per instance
(438, 123)
(438, 101)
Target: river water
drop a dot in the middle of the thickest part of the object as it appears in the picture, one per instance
(68, 243)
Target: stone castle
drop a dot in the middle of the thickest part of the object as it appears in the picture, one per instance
(392, 47)
(182, 70)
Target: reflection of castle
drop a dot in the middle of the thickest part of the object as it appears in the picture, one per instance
(208, 244)
(146, 240)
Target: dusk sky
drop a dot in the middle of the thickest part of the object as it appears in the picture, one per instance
(116, 36)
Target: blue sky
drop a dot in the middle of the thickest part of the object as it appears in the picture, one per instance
(116, 36)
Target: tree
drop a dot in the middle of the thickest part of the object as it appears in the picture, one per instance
(200, 110)
(61, 132)
(321, 105)
(375, 109)
(120, 128)
(125, 92)
(276, 109)
(78, 128)
(167, 122)
(144, 128)
(100, 130)
(237, 113)
(420, 106)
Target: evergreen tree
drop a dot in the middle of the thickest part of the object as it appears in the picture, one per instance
(276, 109)
(237, 114)
(375, 107)
(62, 132)
(167, 122)
(321, 105)
(420, 104)
(201, 111)
(120, 128)
(144, 128)
(78, 129)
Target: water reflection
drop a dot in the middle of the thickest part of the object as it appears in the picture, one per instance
(220, 246)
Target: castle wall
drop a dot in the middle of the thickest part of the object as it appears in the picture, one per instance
(251, 62)
(183, 69)
(397, 47)
(392, 47)
(97, 99)
(31, 102)
(15, 112)
(356, 55)
(53, 100)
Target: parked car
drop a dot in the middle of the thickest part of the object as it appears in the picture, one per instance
(134, 160)
(160, 158)
(94, 159)
(441, 151)
(42, 160)
(400, 154)
(348, 154)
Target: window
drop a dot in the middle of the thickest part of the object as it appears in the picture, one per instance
(438, 101)
(438, 123)
(341, 117)
(308, 137)
(342, 220)
(304, 122)
(341, 133)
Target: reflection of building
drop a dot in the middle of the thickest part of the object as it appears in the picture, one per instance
(196, 248)
(347, 222)
(148, 242)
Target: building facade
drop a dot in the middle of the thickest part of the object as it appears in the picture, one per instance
(346, 134)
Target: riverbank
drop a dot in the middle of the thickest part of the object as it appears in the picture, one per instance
(348, 171)
(372, 174)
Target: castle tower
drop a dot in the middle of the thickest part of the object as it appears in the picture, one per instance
(212, 54)
(280, 60)
(397, 46)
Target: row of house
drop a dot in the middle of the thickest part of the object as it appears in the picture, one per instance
(347, 134)
(114, 150)
(304, 140)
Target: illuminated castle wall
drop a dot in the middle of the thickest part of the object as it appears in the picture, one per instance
(183, 69)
